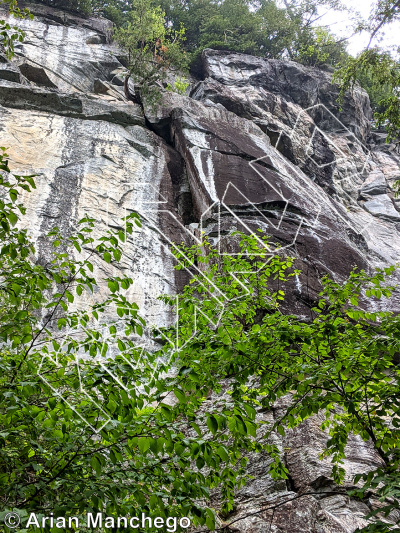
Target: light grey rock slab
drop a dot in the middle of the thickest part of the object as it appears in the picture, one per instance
(105, 170)
(375, 184)
(73, 55)
(382, 206)
(13, 95)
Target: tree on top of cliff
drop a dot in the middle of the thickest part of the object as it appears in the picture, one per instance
(154, 50)
(114, 10)
(377, 69)
(259, 28)
(313, 44)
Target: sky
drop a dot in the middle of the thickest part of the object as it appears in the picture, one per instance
(340, 24)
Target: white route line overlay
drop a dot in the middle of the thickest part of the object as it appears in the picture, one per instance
(149, 213)
(331, 142)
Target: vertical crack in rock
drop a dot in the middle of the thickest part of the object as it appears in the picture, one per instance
(65, 187)
(262, 139)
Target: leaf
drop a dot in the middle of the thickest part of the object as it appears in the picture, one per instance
(95, 464)
(223, 453)
(200, 462)
(196, 428)
(111, 406)
(144, 444)
(52, 403)
(69, 296)
(210, 519)
(212, 424)
(251, 412)
(12, 217)
(251, 428)
(180, 395)
(113, 285)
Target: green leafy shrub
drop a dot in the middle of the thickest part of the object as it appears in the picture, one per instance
(84, 429)
(10, 34)
(322, 48)
(83, 7)
(180, 85)
(154, 50)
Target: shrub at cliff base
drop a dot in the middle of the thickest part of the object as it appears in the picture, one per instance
(81, 431)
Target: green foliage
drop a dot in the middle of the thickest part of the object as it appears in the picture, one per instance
(322, 49)
(179, 86)
(10, 34)
(83, 7)
(154, 50)
(263, 29)
(384, 71)
(114, 10)
(84, 421)
(376, 69)
(82, 427)
(378, 92)
(311, 44)
(343, 364)
(232, 27)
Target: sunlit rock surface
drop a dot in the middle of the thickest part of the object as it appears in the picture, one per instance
(256, 144)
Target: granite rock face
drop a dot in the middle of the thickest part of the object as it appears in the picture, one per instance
(257, 158)
(256, 144)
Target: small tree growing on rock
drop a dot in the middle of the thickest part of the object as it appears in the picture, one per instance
(154, 51)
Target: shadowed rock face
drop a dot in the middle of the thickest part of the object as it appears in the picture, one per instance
(257, 144)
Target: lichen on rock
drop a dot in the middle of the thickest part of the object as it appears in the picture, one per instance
(257, 144)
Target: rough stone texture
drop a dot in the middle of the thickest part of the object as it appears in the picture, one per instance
(374, 184)
(382, 207)
(13, 95)
(102, 169)
(68, 48)
(289, 82)
(232, 161)
(91, 155)
(257, 144)
(36, 74)
(9, 72)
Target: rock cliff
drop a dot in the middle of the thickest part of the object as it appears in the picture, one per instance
(256, 143)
